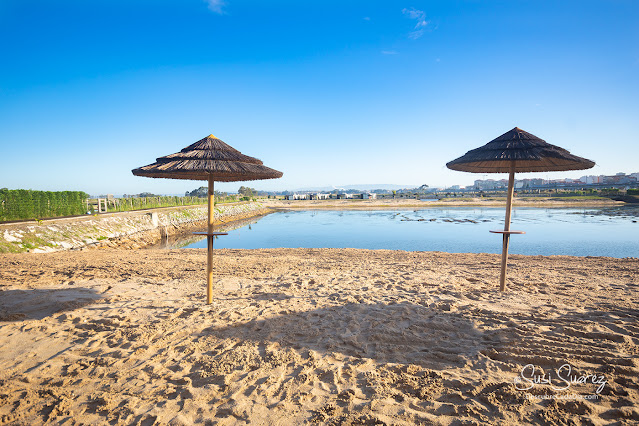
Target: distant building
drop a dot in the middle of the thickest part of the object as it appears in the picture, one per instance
(490, 184)
(619, 179)
(296, 197)
(318, 196)
(591, 180)
(364, 196)
(528, 183)
(343, 195)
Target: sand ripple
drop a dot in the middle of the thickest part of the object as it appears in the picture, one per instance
(323, 335)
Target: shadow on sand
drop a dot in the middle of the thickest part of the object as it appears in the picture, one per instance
(403, 333)
(17, 305)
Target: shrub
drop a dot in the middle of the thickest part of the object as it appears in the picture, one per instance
(17, 204)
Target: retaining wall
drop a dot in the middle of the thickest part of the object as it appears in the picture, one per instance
(126, 229)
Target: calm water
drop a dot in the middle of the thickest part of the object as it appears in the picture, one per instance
(578, 232)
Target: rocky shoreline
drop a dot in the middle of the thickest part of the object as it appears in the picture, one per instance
(131, 230)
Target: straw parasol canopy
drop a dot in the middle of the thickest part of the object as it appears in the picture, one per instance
(212, 160)
(516, 151)
(527, 151)
(206, 158)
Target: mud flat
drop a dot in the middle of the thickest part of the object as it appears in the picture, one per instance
(330, 336)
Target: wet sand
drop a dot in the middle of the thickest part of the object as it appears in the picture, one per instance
(331, 336)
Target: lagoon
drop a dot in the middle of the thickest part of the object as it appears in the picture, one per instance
(610, 232)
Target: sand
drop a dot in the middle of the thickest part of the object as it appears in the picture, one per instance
(329, 336)
(411, 203)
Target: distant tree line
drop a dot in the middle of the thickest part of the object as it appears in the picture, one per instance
(245, 193)
(203, 192)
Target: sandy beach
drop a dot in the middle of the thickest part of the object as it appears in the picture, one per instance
(328, 336)
(410, 203)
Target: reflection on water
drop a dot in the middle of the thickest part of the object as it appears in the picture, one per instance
(549, 231)
(192, 241)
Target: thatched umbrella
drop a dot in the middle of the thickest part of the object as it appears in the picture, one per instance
(516, 151)
(212, 160)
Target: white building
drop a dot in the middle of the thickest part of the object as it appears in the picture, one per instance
(589, 180)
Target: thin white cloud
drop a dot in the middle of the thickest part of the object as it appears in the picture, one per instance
(367, 18)
(414, 13)
(389, 52)
(419, 16)
(414, 35)
(216, 5)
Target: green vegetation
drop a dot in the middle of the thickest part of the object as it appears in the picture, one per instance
(202, 192)
(17, 204)
(633, 192)
(28, 242)
(6, 247)
(32, 241)
(220, 197)
(595, 197)
(22, 204)
(247, 192)
(227, 199)
(141, 203)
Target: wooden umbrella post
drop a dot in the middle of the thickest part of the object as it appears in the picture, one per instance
(209, 159)
(209, 239)
(530, 154)
(506, 237)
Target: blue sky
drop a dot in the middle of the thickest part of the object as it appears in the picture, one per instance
(330, 92)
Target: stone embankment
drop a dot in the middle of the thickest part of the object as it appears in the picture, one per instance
(127, 229)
